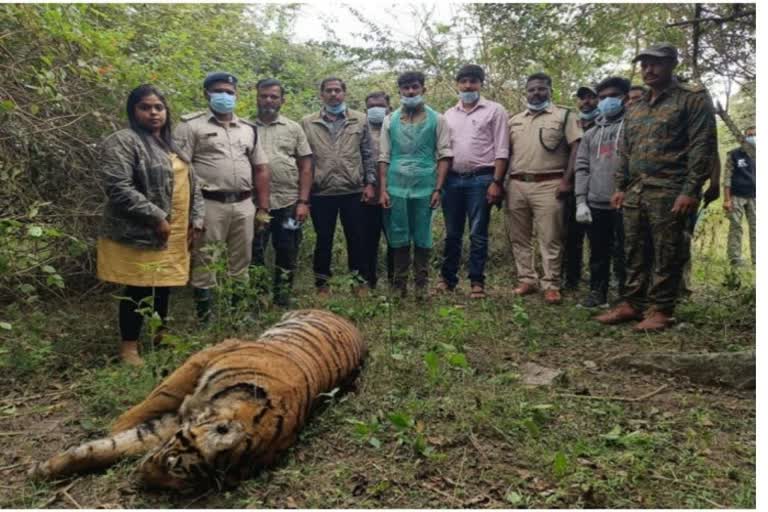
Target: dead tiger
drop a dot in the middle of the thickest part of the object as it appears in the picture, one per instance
(229, 409)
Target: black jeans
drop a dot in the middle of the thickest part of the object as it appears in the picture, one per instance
(136, 298)
(324, 211)
(602, 234)
(372, 218)
(286, 245)
(574, 243)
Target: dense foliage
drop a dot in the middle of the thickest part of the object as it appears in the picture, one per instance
(66, 69)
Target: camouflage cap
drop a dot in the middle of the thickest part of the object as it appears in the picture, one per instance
(219, 76)
(584, 91)
(661, 51)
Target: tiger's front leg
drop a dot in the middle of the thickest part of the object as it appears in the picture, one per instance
(170, 393)
(104, 452)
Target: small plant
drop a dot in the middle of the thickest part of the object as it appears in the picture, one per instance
(409, 432)
(444, 356)
(367, 431)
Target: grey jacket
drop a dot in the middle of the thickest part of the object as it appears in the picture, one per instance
(138, 182)
(597, 161)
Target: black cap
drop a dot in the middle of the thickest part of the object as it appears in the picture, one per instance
(661, 51)
(471, 71)
(219, 76)
(584, 90)
(618, 82)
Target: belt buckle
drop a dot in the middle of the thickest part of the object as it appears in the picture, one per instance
(528, 178)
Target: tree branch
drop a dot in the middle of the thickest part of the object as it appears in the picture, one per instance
(713, 20)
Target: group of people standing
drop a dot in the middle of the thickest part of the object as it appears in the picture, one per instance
(220, 180)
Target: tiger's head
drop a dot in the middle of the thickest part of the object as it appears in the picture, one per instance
(203, 451)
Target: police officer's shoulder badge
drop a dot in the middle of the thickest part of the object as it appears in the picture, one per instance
(193, 115)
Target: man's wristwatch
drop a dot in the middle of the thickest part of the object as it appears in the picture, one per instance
(438, 190)
(499, 181)
(303, 201)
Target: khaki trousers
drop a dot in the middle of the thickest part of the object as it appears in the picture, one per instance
(532, 204)
(231, 223)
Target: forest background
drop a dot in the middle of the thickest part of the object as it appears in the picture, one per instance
(67, 69)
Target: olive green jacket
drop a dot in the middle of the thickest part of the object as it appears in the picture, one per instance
(137, 178)
(343, 163)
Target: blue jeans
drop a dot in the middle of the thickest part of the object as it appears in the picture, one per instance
(464, 198)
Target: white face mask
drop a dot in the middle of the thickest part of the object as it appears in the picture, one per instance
(538, 107)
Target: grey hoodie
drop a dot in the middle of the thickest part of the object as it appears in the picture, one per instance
(596, 162)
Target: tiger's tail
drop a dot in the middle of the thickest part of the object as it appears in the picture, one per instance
(106, 451)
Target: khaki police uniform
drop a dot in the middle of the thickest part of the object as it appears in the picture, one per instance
(539, 153)
(223, 156)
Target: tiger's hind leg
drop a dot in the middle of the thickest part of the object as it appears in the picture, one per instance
(104, 452)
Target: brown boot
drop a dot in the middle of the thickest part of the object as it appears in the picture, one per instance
(624, 312)
(653, 321)
(129, 353)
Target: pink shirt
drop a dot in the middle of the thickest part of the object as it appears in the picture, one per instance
(478, 137)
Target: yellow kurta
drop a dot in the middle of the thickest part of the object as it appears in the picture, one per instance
(124, 264)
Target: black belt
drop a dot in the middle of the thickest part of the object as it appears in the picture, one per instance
(227, 197)
(478, 171)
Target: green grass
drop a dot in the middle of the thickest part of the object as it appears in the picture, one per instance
(440, 417)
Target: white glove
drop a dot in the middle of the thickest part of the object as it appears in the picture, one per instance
(583, 214)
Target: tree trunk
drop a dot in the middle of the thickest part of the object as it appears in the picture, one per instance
(731, 369)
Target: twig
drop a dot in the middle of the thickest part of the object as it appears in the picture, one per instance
(677, 481)
(440, 492)
(14, 401)
(17, 433)
(206, 493)
(27, 413)
(71, 499)
(618, 398)
(58, 493)
(716, 504)
(14, 466)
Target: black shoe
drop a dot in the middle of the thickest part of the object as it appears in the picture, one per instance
(570, 286)
(595, 299)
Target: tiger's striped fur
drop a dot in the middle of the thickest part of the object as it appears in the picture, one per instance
(229, 409)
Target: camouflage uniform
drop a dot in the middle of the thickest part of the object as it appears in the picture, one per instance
(666, 151)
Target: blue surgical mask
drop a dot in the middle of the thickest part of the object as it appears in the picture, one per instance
(411, 103)
(221, 102)
(588, 116)
(336, 109)
(469, 97)
(538, 107)
(376, 115)
(610, 107)
(750, 139)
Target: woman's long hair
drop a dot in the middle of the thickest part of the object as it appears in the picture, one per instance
(166, 138)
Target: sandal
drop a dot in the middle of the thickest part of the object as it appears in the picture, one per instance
(478, 292)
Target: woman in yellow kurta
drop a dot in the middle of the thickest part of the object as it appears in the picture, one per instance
(154, 209)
